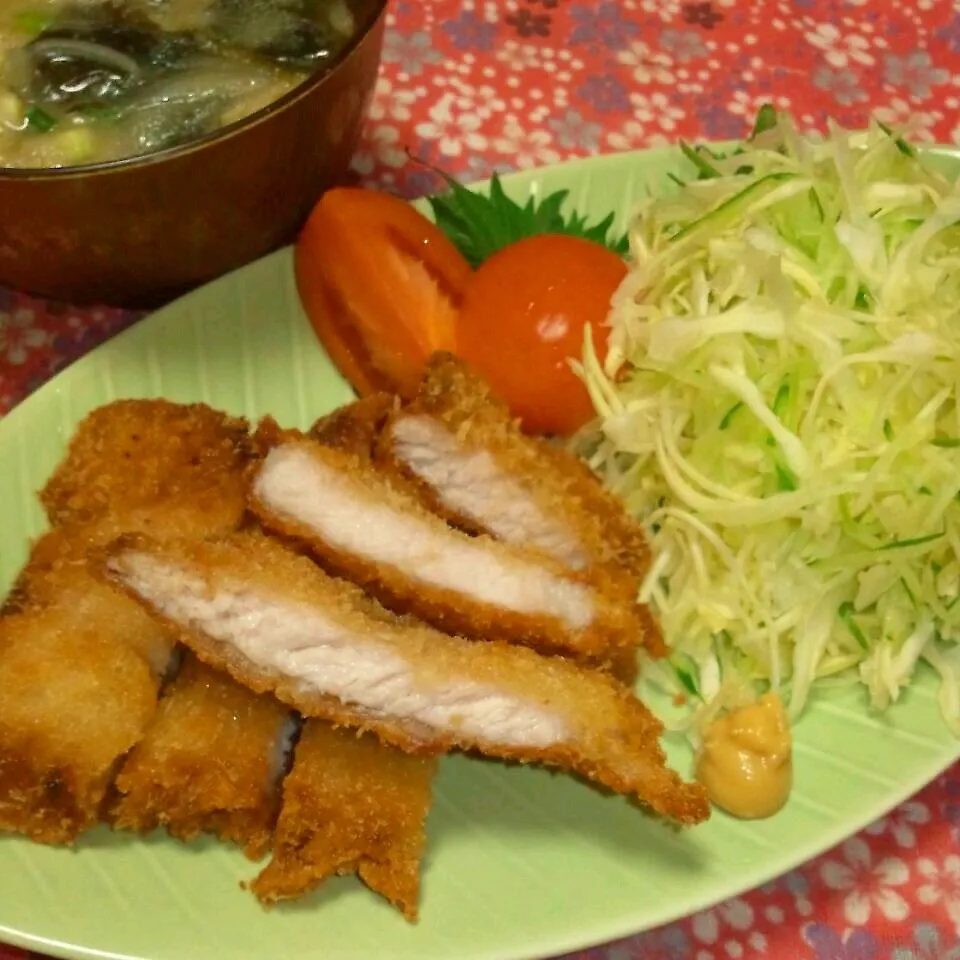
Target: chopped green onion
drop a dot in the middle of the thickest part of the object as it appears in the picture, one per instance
(32, 22)
(38, 119)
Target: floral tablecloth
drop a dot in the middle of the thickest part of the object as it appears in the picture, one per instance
(474, 86)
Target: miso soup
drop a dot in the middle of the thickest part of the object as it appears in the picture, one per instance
(87, 81)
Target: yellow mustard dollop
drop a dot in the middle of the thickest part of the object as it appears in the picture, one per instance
(746, 761)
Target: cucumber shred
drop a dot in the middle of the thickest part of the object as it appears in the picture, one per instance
(780, 401)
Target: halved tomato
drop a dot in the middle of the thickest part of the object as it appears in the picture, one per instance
(522, 322)
(381, 285)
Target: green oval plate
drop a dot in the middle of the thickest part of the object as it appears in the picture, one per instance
(521, 863)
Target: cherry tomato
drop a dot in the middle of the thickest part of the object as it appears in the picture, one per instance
(381, 285)
(523, 317)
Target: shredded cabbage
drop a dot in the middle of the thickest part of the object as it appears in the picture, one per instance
(779, 403)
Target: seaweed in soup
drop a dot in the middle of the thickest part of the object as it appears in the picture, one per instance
(186, 105)
(93, 60)
(175, 51)
(120, 26)
(157, 128)
(87, 55)
(105, 79)
(294, 33)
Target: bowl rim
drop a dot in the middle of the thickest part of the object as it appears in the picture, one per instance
(317, 78)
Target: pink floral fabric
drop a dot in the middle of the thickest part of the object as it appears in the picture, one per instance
(473, 86)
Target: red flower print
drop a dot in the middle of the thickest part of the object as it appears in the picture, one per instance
(701, 14)
(529, 24)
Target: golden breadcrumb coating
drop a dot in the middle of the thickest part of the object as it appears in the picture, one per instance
(277, 623)
(211, 761)
(142, 465)
(414, 562)
(350, 804)
(553, 478)
(133, 453)
(472, 464)
(73, 700)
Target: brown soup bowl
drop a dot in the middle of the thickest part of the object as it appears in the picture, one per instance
(140, 231)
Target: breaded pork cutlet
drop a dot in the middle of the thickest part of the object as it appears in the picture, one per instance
(147, 466)
(350, 804)
(358, 429)
(210, 762)
(458, 441)
(57, 576)
(57, 571)
(472, 464)
(80, 668)
(73, 701)
(133, 466)
(134, 453)
(278, 624)
(366, 525)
